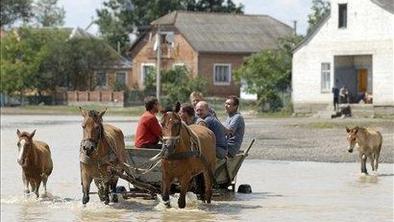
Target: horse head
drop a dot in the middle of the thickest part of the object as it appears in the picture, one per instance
(171, 128)
(25, 141)
(352, 137)
(92, 127)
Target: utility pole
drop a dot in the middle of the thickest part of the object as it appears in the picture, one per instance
(158, 56)
(295, 26)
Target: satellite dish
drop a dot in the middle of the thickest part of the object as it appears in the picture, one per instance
(170, 37)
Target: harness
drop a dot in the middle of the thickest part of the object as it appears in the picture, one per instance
(109, 158)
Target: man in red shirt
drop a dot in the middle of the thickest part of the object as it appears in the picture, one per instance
(148, 129)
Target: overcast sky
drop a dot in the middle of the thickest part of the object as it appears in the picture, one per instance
(80, 12)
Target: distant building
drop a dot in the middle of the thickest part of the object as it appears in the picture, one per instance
(117, 74)
(212, 45)
(352, 46)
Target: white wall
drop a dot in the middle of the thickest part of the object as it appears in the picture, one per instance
(369, 32)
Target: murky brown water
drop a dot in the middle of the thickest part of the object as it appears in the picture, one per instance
(282, 190)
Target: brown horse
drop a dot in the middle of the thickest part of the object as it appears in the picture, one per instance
(187, 152)
(369, 145)
(102, 147)
(35, 159)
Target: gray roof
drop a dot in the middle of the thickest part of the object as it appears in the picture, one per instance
(386, 4)
(120, 61)
(220, 32)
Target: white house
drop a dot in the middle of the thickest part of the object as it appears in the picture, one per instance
(353, 45)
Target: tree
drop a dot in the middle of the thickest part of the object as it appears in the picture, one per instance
(214, 6)
(80, 58)
(47, 13)
(177, 84)
(14, 10)
(39, 60)
(267, 73)
(119, 18)
(319, 9)
(23, 53)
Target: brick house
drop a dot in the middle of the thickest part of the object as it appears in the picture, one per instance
(109, 80)
(112, 76)
(208, 44)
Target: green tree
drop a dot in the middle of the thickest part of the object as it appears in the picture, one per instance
(80, 58)
(269, 72)
(177, 84)
(14, 10)
(227, 6)
(47, 13)
(319, 9)
(40, 59)
(119, 18)
(23, 52)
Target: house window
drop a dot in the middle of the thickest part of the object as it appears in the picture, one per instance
(222, 74)
(147, 69)
(178, 65)
(101, 79)
(121, 78)
(325, 77)
(342, 15)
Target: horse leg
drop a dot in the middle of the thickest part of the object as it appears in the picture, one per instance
(114, 196)
(363, 163)
(184, 188)
(165, 189)
(101, 189)
(376, 161)
(372, 160)
(200, 184)
(37, 187)
(25, 183)
(44, 183)
(208, 186)
(106, 192)
(85, 182)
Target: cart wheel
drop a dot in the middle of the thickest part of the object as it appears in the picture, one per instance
(244, 188)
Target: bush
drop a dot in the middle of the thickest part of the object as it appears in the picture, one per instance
(177, 84)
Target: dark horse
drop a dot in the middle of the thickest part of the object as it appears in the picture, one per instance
(102, 147)
(187, 152)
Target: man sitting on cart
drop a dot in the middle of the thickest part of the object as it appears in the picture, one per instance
(202, 111)
(234, 125)
(148, 132)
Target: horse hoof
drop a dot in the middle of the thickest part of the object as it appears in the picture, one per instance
(167, 204)
(106, 202)
(181, 204)
(85, 200)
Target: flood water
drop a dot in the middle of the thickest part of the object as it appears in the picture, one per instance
(282, 190)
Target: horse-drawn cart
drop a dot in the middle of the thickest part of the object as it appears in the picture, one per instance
(146, 182)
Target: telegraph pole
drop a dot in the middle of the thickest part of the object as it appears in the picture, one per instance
(158, 57)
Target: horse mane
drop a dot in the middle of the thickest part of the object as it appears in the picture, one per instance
(194, 139)
(95, 115)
